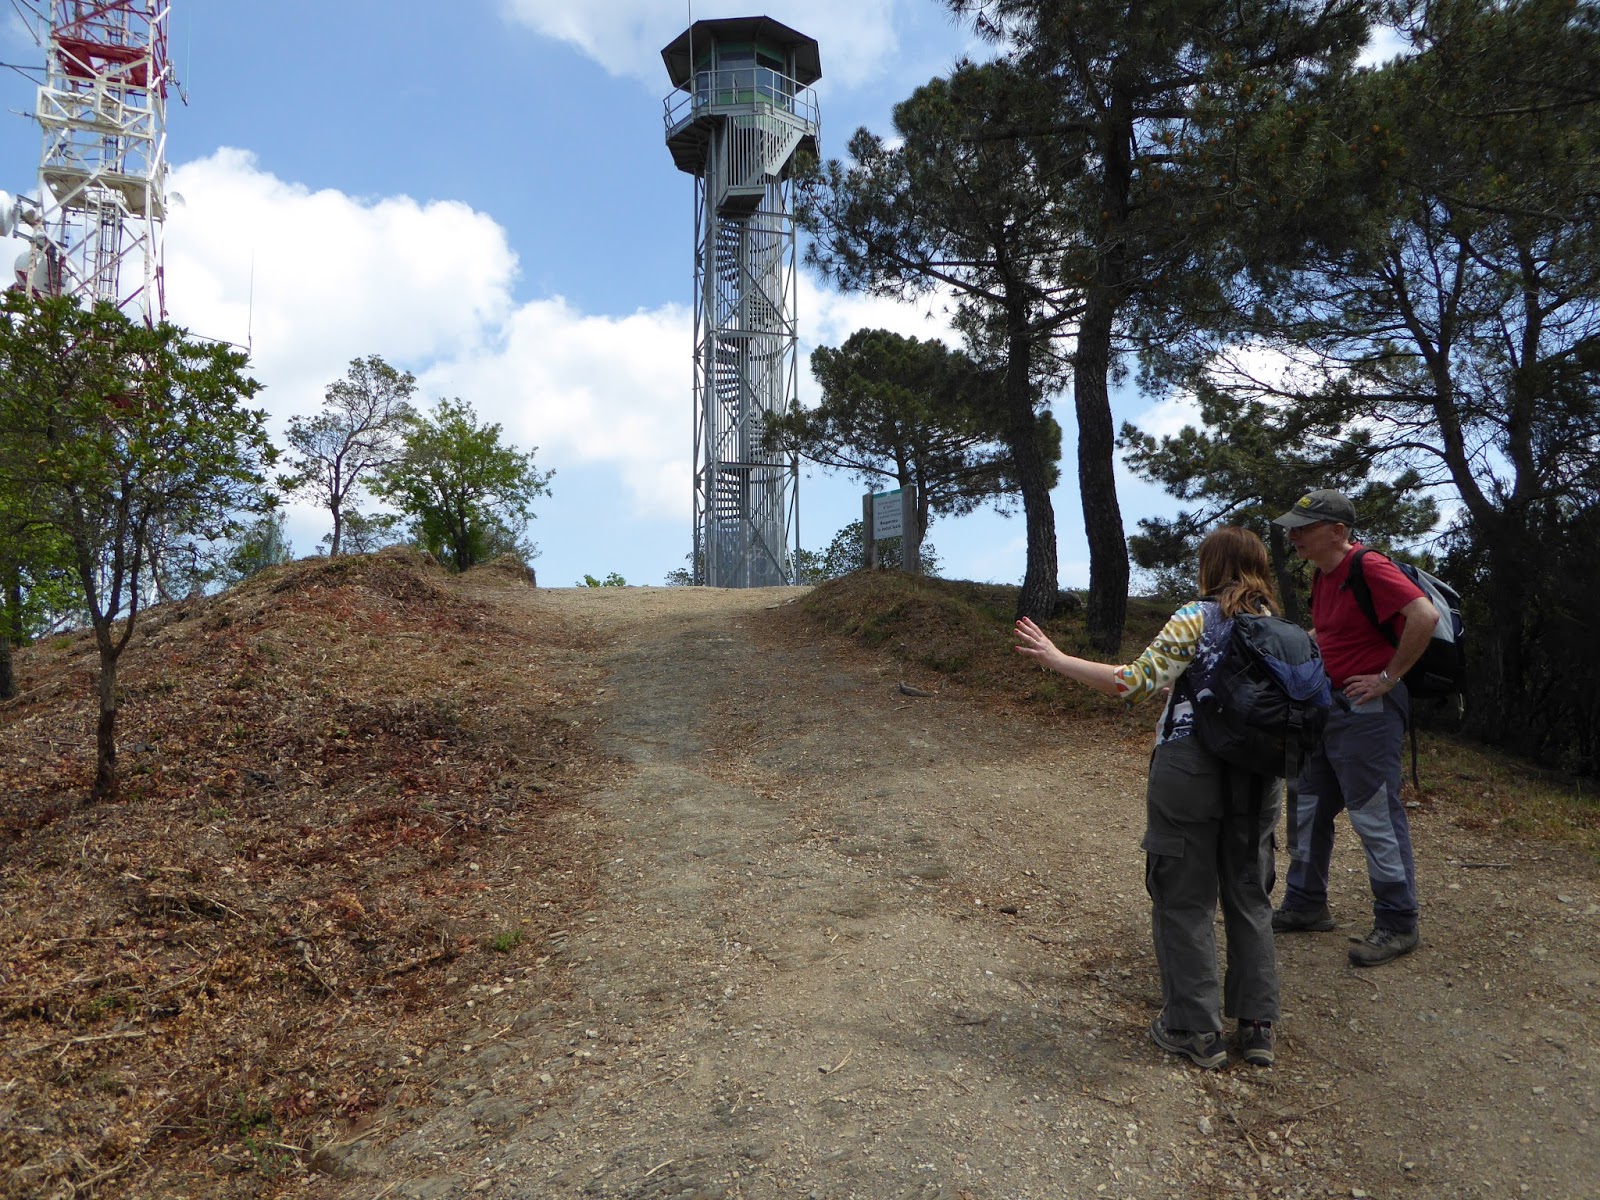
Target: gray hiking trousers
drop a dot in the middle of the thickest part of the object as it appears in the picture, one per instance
(1209, 835)
(1358, 768)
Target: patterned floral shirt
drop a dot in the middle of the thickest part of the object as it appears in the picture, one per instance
(1193, 638)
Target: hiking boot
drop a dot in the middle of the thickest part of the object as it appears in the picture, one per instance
(1207, 1049)
(1301, 920)
(1381, 946)
(1255, 1042)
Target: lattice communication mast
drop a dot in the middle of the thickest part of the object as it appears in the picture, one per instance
(741, 109)
(94, 231)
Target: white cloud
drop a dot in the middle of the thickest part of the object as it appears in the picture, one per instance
(828, 318)
(1167, 416)
(590, 389)
(429, 287)
(857, 37)
(312, 279)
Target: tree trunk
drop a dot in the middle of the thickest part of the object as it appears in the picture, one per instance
(1097, 482)
(10, 635)
(1097, 442)
(105, 736)
(1041, 581)
(914, 523)
(338, 529)
(1288, 589)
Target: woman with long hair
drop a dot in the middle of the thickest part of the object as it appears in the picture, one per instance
(1209, 826)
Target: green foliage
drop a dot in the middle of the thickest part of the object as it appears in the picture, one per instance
(1443, 328)
(257, 547)
(944, 208)
(847, 552)
(505, 943)
(612, 579)
(688, 576)
(356, 435)
(912, 412)
(1157, 104)
(365, 534)
(1246, 462)
(38, 582)
(469, 496)
(132, 443)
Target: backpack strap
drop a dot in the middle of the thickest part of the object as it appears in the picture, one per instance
(1356, 581)
(1291, 796)
(1182, 681)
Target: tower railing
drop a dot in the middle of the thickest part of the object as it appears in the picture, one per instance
(740, 88)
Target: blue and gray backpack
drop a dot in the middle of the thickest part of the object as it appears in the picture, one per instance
(1263, 706)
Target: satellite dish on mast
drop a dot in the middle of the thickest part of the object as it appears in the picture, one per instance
(8, 214)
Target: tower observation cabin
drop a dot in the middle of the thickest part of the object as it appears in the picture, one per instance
(740, 111)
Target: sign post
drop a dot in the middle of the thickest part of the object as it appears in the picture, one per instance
(886, 515)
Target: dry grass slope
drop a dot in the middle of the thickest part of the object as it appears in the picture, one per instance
(332, 775)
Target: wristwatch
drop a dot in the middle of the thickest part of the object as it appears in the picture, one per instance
(1384, 675)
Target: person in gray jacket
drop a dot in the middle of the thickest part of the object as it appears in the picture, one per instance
(1208, 826)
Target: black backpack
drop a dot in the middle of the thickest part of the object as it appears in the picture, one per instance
(1442, 668)
(1263, 707)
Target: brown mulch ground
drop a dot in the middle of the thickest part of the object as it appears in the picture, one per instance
(333, 780)
(426, 886)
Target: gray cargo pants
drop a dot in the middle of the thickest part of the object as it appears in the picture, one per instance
(1209, 834)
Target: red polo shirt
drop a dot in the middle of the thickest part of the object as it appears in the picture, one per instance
(1349, 643)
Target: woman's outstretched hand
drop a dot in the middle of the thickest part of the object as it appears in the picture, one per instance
(1032, 642)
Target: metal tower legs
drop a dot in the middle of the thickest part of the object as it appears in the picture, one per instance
(746, 496)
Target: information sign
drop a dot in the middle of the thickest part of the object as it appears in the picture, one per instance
(888, 515)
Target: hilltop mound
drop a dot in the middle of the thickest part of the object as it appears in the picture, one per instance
(507, 569)
(327, 774)
(959, 633)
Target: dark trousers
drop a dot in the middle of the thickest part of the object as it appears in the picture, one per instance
(1209, 835)
(1358, 768)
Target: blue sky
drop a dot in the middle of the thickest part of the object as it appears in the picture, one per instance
(480, 192)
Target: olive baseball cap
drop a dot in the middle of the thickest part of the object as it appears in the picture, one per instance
(1323, 504)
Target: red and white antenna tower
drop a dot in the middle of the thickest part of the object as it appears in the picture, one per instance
(94, 231)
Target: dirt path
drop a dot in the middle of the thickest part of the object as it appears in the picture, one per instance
(856, 944)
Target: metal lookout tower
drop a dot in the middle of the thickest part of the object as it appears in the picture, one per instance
(94, 231)
(741, 109)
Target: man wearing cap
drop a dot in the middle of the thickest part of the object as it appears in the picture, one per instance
(1358, 765)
